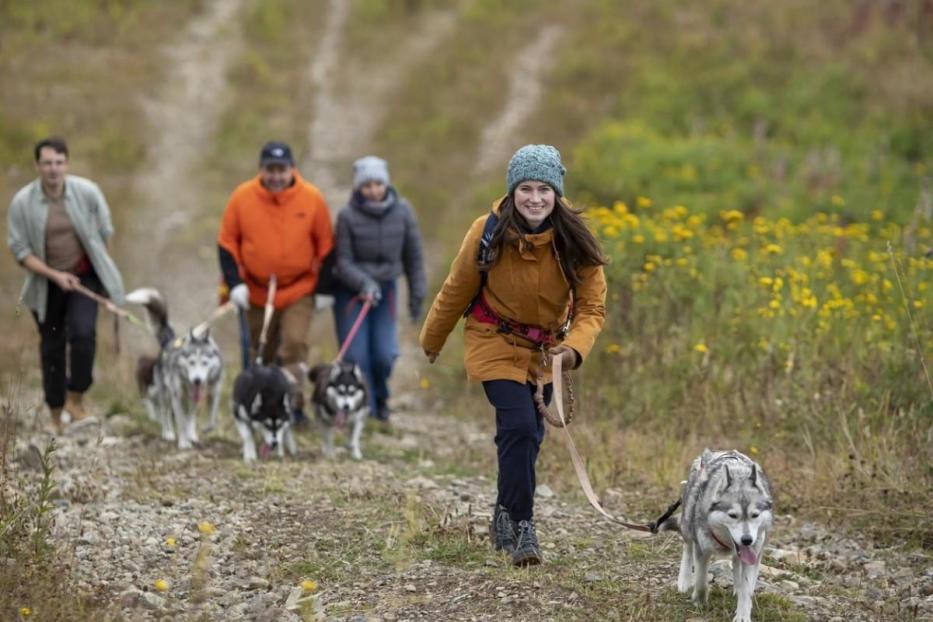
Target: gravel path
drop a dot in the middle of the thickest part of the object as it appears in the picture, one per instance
(398, 536)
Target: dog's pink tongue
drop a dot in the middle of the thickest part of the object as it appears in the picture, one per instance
(341, 418)
(264, 450)
(747, 554)
(196, 394)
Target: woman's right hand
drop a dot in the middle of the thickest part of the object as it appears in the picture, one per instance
(432, 356)
(65, 280)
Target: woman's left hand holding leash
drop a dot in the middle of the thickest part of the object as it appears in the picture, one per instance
(569, 357)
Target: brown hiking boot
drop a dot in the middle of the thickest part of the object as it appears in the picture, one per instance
(74, 404)
(56, 414)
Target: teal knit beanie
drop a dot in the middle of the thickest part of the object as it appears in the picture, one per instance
(537, 163)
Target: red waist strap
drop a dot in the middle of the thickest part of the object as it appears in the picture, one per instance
(482, 312)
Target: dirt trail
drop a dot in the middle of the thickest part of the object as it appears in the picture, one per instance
(400, 535)
(183, 118)
(348, 106)
(525, 89)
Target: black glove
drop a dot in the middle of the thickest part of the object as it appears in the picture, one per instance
(414, 309)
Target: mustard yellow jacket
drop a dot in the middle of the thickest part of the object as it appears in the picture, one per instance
(526, 285)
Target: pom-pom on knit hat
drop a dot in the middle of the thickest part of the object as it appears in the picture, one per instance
(369, 169)
(537, 163)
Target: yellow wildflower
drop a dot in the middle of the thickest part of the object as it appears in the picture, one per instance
(643, 202)
(613, 348)
(739, 254)
(700, 347)
(170, 541)
(424, 383)
(161, 585)
(206, 528)
(309, 585)
(837, 200)
(773, 249)
(25, 612)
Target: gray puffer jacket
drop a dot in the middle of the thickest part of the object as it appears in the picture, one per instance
(378, 242)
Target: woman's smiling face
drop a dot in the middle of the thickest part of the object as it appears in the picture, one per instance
(534, 200)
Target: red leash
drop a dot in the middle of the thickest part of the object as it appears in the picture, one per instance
(356, 326)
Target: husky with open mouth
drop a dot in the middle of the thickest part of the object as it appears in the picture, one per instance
(340, 398)
(262, 402)
(187, 371)
(728, 509)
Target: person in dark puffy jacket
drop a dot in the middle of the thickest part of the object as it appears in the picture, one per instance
(377, 241)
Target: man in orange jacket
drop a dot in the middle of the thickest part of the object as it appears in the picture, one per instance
(276, 224)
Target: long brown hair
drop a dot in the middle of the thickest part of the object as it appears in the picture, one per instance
(576, 245)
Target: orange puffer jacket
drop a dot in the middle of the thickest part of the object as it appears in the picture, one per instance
(526, 285)
(286, 233)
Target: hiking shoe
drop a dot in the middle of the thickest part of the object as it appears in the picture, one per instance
(502, 530)
(74, 406)
(527, 552)
(382, 412)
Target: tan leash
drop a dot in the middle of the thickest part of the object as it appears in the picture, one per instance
(115, 310)
(218, 313)
(266, 318)
(578, 466)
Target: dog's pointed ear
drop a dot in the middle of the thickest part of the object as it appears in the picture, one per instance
(728, 479)
(754, 475)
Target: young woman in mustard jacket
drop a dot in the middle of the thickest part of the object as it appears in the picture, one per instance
(533, 288)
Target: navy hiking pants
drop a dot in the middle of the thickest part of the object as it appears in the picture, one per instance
(519, 432)
(375, 347)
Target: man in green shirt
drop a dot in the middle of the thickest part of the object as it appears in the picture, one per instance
(58, 227)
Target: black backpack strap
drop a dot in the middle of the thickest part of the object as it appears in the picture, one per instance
(485, 241)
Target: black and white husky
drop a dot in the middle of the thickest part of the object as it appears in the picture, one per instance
(262, 401)
(340, 398)
(187, 371)
(727, 510)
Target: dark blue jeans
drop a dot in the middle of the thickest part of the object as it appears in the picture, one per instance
(519, 432)
(375, 346)
(68, 334)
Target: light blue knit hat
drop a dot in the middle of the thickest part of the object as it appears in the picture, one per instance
(538, 163)
(370, 168)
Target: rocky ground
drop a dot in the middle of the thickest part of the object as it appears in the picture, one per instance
(401, 535)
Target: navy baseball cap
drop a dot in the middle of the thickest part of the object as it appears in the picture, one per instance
(276, 153)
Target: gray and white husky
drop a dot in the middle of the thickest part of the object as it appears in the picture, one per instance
(187, 369)
(341, 397)
(727, 510)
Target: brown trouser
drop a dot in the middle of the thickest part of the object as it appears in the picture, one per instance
(287, 337)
